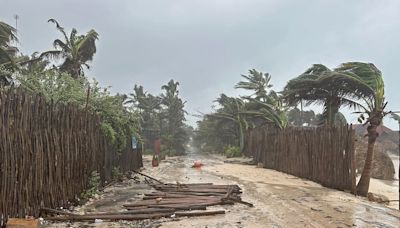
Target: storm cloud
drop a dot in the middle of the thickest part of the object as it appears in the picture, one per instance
(207, 44)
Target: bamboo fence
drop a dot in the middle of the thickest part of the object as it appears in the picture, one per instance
(47, 153)
(324, 154)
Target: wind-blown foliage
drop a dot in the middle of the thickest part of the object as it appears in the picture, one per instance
(75, 50)
(364, 82)
(236, 115)
(315, 86)
(232, 112)
(353, 84)
(173, 111)
(163, 117)
(256, 81)
(118, 123)
(7, 53)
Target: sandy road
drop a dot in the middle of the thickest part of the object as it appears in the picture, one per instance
(280, 200)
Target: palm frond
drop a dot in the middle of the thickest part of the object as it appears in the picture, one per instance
(59, 44)
(53, 54)
(59, 28)
(7, 33)
(87, 46)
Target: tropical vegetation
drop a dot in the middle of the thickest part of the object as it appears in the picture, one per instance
(59, 75)
(122, 116)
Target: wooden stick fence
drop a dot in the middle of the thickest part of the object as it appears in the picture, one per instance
(47, 153)
(324, 154)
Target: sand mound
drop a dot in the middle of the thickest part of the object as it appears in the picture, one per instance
(382, 166)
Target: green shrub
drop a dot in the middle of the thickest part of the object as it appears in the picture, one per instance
(232, 151)
(93, 186)
(116, 173)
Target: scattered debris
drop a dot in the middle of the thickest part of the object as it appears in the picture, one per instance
(240, 162)
(197, 164)
(145, 175)
(169, 201)
(315, 209)
(22, 223)
(377, 198)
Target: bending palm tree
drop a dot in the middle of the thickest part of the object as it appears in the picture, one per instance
(76, 50)
(232, 112)
(257, 81)
(348, 84)
(315, 86)
(363, 81)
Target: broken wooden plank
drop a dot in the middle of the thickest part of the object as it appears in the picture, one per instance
(171, 201)
(198, 213)
(175, 206)
(186, 193)
(110, 217)
(22, 223)
(136, 211)
(116, 217)
(175, 196)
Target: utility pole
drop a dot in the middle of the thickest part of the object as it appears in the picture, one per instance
(16, 17)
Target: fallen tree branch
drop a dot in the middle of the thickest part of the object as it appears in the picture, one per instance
(54, 211)
(152, 178)
(241, 201)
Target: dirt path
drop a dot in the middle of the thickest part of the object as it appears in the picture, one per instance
(280, 200)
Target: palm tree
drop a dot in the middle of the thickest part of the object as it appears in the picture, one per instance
(267, 113)
(75, 50)
(315, 87)
(264, 105)
(233, 111)
(355, 84)
(174, 136)
(363, 82)
(7, 52)
(33, 64)
(256, 81)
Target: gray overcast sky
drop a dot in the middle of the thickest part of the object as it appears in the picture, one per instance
(207, 44)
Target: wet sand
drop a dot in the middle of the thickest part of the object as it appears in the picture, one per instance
(280, 200)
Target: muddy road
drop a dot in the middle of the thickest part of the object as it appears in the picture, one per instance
(280, 200)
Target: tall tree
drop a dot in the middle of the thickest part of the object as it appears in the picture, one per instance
(7, 52)
(364, 83)
(75, 50)
(175, 135)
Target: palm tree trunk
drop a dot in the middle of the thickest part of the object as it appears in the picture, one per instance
(241, 137)
(363, 184)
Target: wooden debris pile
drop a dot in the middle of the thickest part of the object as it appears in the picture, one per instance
(170, 200)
